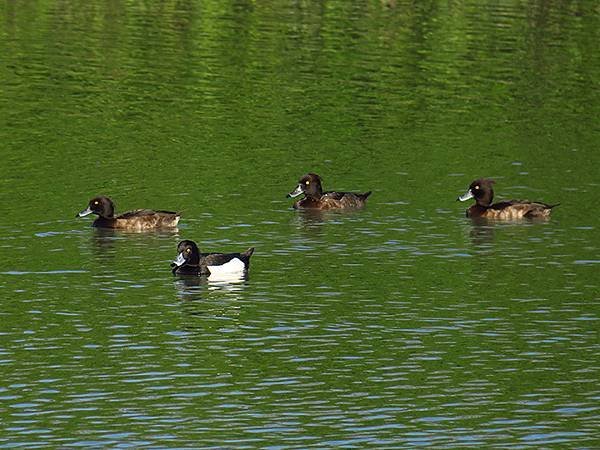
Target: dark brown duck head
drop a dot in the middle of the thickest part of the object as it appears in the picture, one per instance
(101, 206)
(309, 185)
(187, 254)
(481, 190)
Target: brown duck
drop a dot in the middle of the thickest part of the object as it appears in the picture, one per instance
(315, 198)
(481, 190)
(138, 220)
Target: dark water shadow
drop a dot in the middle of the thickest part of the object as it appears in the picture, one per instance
(104, 240)
(124, 233)
(483, 230)
(482, 233)
(313, 220)
(103, 243)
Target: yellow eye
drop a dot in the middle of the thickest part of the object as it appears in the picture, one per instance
(95, 203)
(187, 250)
(307, 183)
(476, 187)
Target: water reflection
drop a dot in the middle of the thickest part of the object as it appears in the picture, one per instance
(482, 232)
(112, 232)
(312, 221)
(388, 327)
(201, 287)
(211, 301)
(103, 242)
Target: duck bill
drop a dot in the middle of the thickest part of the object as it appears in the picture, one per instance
(296, 192)
(85, 212)
(466, 196)
(179, 261)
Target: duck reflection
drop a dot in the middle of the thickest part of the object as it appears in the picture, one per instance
(103, 242)
(482, 232)
(105, 237)
(311, 221)
(107, 242)
(210, 301)
(202, 287)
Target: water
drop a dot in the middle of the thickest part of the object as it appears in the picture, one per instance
(401, 325)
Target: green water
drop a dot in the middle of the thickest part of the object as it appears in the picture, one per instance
(401, 325)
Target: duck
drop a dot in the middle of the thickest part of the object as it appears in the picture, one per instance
(481, 190)
(190, 261)
(315, 198)
(139, 219)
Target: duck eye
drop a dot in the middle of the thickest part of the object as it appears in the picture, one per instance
(307, 182)
(476, 187)
(96, 202)
(188, 250)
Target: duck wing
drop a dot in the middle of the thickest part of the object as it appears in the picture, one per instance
(145, 219)
(136, 213)
(220, 264)
(333, 195)
(218, 259)
(345, 199)
(517, 209)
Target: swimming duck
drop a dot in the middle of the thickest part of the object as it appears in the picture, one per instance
(315, 198)
(140, 219)
(190, 261)
(481, 190)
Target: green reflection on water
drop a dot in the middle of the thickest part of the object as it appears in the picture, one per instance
(400, 324)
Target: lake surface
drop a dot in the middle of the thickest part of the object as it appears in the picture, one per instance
(401, 325)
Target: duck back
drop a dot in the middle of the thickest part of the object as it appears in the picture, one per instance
(512, 209)
(334, 200)
(141, 219)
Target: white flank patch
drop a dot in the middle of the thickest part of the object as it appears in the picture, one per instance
(225, 280)
(224, 271)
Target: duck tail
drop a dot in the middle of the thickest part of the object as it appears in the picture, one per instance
(552, 206)
(248, 253)
(365, 195)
